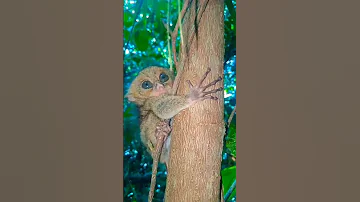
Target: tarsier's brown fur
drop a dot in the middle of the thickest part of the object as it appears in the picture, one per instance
(151, 92)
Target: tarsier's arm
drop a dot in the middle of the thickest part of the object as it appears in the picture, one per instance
(167, 106)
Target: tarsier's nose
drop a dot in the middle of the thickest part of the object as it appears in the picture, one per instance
(159, 87)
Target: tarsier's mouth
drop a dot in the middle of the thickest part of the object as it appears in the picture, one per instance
(157, 92)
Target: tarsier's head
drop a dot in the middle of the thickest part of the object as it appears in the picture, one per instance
(151, 82)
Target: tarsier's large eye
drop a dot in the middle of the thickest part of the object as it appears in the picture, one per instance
(163, 77)
(146, 85)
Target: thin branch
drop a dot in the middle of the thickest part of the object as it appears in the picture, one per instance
(227, 127)
(167, 28)
(176, 29)
(231, 156)
(162, 131)
(231, 116)
(231, 189)
(193, 33)
(181, 16)
(174, 36)
(142, 178)
(168, 37)
(222, 193)
(159, 145)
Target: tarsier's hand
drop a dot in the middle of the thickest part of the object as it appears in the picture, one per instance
(198, 93)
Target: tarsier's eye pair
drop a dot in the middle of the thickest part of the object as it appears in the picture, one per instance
(147, 84)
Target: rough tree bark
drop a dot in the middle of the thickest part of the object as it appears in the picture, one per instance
(197, 135)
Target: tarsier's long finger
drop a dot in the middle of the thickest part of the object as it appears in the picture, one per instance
(204, 77)
(212, 91)
(212, 83)
(209, 97)
(190, 84)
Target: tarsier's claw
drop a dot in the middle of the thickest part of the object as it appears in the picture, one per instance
(209, 97)
(190, 84)
(204, 76)
(213, 83)
(213, 91)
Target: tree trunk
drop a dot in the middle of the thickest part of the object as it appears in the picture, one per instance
(197, 135)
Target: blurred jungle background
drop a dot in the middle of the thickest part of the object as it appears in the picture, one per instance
(145, 44)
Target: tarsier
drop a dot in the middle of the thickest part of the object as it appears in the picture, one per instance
(151, 92)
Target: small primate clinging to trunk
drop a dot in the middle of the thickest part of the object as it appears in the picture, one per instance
(151, 92)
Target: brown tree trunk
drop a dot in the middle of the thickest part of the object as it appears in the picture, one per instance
(197, 135)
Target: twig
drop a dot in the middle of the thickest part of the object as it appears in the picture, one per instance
(198, 21)
(159, 146)
(227, 127)
(222, 193)
(231, 156)
(231, 116)
(231, 189)
(181, 16)
(144, 178)
(173, 37)
(167, 28)
(162, 131)
(176, 29)
(168, 36)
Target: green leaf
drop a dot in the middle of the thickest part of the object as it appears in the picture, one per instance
(142, 38)
(127, 113)
(144, 7)
(228, 177)
(126, 35)
(231, 140)
(159, 28)
(163, 5)
(128, 19)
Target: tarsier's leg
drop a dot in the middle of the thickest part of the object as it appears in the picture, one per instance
(162, 129)
(165, 129)
(198, 93)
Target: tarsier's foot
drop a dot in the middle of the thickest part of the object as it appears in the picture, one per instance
(162, 128)
(198, 93)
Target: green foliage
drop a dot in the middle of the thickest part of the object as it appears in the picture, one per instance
(231, 140)
(145, 44)
(228, 177)
(142, 38)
